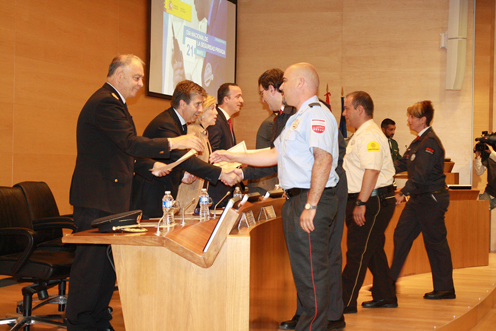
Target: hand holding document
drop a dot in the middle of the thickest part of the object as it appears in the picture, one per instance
(226, 159)
(169, 166)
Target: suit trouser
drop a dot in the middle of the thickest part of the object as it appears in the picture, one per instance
(308, 255)
(425, 213)
(92, 280)
(335, 255)
(366, 249)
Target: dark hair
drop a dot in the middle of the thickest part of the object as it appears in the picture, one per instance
(387, 122)
(223, 91)
(271, 77)
(185, 90)
(121, 61)
(422, 109)
(363, 99)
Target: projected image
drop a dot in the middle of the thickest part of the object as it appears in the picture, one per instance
(196, 41)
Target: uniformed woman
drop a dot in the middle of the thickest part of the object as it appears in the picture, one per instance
(429, 200)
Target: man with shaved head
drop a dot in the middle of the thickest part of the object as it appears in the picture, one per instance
(306, 153)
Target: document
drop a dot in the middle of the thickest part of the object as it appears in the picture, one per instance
(186, 156)
(239, 148)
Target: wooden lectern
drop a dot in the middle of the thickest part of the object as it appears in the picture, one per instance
(167, 282)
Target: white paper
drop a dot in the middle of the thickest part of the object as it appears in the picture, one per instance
(186, 156)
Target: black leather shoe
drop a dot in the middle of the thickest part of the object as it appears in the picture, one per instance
(339, 324)
(383, 303)
(350, 310)
(436, 295)
(291, 324)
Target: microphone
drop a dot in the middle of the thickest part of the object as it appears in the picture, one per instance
(186, 207)
(225, 196)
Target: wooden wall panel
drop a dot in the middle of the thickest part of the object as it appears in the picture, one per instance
(55, 54)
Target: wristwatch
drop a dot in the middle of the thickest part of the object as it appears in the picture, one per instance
(360, 203)
(309, 206)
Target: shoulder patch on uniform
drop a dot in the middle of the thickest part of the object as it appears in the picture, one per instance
(318, 126)
(115, 96)
(373, 147)
(429, 150)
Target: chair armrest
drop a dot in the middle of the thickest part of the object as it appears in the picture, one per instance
(32, 239)
(58, 222)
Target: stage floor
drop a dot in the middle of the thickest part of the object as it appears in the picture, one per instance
(474, 308)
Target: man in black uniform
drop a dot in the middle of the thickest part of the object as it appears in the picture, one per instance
(107, 145)
(429, 200)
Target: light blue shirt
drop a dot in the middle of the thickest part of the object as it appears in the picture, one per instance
(310, 127)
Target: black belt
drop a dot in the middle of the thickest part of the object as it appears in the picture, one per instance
(381, 191)
(444, 189)
(293, 192)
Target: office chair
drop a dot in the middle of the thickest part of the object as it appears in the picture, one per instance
(42, 208)
(22, 258)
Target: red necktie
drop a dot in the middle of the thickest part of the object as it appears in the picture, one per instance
(230, 125)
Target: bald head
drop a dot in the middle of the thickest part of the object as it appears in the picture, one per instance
(300, 83)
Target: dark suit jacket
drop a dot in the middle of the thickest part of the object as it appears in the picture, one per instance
(220, 137)
(107, 145)
(148, 191)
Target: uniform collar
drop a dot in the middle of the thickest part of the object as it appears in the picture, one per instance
(364, 126)
(422, 132)
(120, 95)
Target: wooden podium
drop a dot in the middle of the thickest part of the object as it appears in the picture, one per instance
(167, 282)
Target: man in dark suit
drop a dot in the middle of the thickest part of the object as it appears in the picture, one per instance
(107, 145)
(221, 135)
(187, 101)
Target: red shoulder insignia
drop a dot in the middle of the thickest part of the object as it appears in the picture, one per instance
(429, 150)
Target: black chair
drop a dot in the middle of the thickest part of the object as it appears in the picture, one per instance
(42, 208)
(22, 258)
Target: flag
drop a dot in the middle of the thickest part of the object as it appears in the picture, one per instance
(342, 121)
(327, 95)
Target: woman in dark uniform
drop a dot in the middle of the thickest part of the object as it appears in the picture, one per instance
(429, 200)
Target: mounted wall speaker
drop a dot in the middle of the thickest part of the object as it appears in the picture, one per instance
(457, 44)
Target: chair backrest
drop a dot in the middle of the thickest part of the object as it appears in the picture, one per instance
(13, 213)
(39, 197)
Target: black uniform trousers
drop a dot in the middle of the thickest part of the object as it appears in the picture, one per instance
(366, 249)
(92, 280)
(425, 213)
(335, 255)
(308, 255)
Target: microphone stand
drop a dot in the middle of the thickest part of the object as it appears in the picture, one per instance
(225, 196)
(184, 208)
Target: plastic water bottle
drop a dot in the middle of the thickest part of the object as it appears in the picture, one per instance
(167, 202)
(237, 192)
(204, 201)
(276, 187)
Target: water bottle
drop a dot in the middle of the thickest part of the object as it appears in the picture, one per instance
(276, 187)
(204, 201)
(167, 209)
(237, 192)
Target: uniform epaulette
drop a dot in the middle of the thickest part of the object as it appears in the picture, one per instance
(314, 104)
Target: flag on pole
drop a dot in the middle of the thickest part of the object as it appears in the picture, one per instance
(342, 121)
(327, 95)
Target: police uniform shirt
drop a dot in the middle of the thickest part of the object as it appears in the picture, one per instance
(311, 126)
(368, 149)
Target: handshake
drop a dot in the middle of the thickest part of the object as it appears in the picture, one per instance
(231, 176)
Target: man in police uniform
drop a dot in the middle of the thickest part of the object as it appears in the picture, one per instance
(306, 149)
(369, 169)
